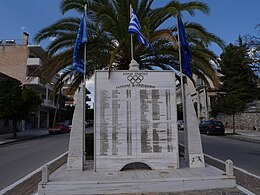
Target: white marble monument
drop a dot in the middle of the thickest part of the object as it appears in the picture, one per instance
(193, 148)
(135, 120)
(77, 135)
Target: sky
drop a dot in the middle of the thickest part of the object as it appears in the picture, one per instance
(227, 19)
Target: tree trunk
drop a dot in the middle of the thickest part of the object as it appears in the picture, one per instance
(234, 129)
(15, 128)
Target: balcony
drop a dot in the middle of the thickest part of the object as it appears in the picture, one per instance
(34, 62)
(34, 81)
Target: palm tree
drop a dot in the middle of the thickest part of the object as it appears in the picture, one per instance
(108, 44)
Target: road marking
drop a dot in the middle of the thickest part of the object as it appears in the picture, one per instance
(246, 191)
(29, 175)
(39, 169)
(221, 161)
(240, 169)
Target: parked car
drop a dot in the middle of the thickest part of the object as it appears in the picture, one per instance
(212, 127)
(60, 127)
(180, 125)
(88, 123)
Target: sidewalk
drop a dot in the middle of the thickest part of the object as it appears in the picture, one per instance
(23, 135)
(246, 135)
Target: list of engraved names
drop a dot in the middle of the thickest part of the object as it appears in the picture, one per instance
(135, 120)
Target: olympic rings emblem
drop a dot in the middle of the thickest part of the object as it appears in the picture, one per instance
(135, 79)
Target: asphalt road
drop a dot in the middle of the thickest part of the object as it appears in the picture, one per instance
(244, 154)
(19, 159)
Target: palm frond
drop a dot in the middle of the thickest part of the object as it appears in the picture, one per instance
(108, 44)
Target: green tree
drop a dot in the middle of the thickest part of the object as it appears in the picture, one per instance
(108, 44)
(232, 104)
(239, 80)
(16, 101)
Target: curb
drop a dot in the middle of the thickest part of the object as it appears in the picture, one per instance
(247, 189)
(243, 138)
(25, 179)
(20, 181)
(22, 139)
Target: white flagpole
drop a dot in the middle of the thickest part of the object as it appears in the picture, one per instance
(132, 47)
(182, 91)
(84, 94)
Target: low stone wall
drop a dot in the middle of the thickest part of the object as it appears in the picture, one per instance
(244, 120)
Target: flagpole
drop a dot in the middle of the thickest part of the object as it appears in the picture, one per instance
(84, 94)
(182, 89)
(132, 47)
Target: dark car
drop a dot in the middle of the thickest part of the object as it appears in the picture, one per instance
(212, 127)
(60, 127)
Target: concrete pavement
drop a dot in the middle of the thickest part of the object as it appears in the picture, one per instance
(246, 135)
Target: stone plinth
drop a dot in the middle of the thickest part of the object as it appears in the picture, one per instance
(64, 182)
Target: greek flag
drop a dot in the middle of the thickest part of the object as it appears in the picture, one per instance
(135, 27)
(185, 51)
(81, 39)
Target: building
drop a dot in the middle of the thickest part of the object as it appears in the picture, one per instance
(203, 96)
(71, 96)
(19, 60)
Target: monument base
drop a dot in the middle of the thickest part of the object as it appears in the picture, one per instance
(64, 181)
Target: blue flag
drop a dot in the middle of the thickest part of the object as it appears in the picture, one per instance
(135, 27)
(81, 39)
(185, 51)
